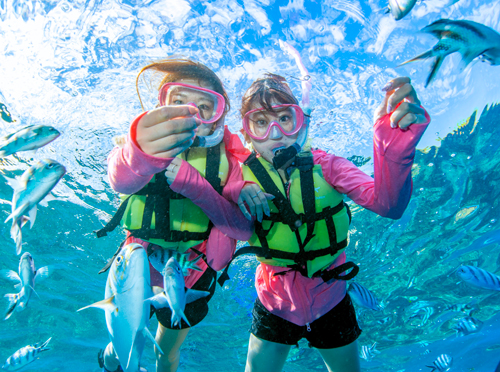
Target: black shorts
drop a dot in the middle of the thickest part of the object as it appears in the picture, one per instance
(195, 311)
(336, 328)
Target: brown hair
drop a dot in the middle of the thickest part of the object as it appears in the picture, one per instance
(175, 69)
(264, 90)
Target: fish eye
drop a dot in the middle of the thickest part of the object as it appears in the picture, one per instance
(50, 165)
(119, 259)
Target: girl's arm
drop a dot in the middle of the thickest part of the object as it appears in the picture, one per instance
(225, 215)
(388, 193)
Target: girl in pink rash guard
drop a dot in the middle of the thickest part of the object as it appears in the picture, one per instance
(301, 222)
(178, 170)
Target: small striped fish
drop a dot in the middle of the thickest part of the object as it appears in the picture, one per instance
(424, 313)
(368, 352)
(468, 325)
(160, 257)
(479, 278)
(363, 297)
(442, 363)
(24, 356)
(468, 309)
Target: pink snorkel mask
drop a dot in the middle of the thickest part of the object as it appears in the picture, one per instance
(260, 123)
(210, 104)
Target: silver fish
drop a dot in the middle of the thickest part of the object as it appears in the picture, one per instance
(363, 297)
(25, 356)
(468, 325)
(29, 138)
(174, 294)
(368, 352)
(29, 190)
(160, 257)
(470, 39)
(127, 312)
(26, 280)
(400, 8)
(442, 363)
(479, 278)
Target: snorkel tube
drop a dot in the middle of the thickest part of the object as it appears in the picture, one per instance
(283, 156)
(212, 139)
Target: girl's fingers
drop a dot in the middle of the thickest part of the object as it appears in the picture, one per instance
(166, 113)
(412, 113)
(404, 93)
(243, 209)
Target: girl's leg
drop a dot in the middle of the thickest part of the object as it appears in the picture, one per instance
(265, 356)
(342, 359)
(170, 341)
(111, 362)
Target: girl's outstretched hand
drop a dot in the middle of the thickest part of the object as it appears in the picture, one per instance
(400, 90)
(256, 200)
(168, 130)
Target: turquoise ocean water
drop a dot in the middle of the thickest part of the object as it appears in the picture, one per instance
(72, 64)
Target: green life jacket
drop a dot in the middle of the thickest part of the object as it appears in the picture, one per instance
(161, 216)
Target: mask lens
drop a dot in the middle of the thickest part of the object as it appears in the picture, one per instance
(285, 118)
(206, 102)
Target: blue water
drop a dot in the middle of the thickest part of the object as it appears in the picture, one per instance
(72, 64)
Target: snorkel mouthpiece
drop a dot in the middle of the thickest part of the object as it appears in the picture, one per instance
(283, 156)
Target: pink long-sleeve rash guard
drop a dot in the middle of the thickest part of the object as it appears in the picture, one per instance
(302, 300)
(130, 169)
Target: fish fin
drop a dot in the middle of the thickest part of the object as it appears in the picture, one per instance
(148, 335)
(13, 299)
(14, 183)
(435, 67)
(17, 213)
(183, 317)
(418, 58)
(32, 215)
(159, 301)
(3, 201)
(42, 273)
(48, 198)
(33, 289)
(107, 305)
(10, 275)
(193, 295)
(131, 350)
(15, 233)
(44, 347)
(467, 58)
(433, 368)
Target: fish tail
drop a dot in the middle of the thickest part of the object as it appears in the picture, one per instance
(435, 67)
(44, 347)
(13, 299)
(425, 55)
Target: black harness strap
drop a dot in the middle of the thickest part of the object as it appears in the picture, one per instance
(288, 215)
(305, 166)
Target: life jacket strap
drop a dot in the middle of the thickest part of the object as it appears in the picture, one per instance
(158, 195)
(289, 216)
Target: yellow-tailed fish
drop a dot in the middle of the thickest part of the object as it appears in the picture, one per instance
(127, 312)
(29, 190)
